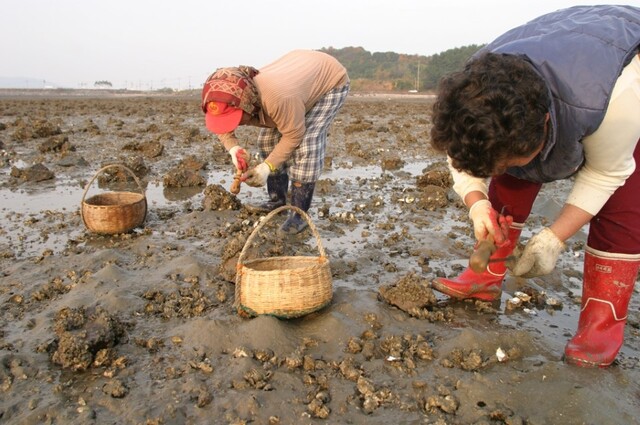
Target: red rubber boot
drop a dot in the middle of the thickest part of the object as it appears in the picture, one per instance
(486, 285)
(606, 291)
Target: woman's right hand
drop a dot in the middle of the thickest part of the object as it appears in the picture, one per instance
(240, 158)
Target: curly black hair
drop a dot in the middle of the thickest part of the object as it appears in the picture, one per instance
(492, 110)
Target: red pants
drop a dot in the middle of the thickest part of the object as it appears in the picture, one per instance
(616, 228)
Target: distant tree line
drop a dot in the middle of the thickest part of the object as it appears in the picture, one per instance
(399, 72)
(103, 84)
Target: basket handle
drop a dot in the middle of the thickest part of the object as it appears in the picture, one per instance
(86, 189)
(269, 217)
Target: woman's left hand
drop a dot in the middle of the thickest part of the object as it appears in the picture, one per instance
(540, 255)
(257, 176)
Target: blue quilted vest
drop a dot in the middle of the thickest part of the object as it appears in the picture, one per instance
(580, 52)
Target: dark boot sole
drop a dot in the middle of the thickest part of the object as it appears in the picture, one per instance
(262, 208)
(293, 230)
(480, 295)
(584, 363)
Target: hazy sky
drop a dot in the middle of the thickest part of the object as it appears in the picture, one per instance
(160, 43)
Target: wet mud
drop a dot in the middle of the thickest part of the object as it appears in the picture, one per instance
(141, 328)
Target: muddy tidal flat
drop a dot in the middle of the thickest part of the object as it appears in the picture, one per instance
(141, 328)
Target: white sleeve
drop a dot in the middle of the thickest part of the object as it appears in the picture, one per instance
(464, 183)
(609, 151)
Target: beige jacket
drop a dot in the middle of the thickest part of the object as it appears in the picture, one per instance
(289, 88)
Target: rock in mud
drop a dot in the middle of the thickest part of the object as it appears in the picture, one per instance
(34, 129)
(118, 174)
(413, 295)
(437, 175)
(469, 360)
(58, 143)
(392, 162)
(216, 198)
(447, 404)
(115, 388)
(150, 149)
(71, 160)
(186, 173)
(186, 302)
(410, 292)
(182, 177)
(81, 333)
(432, 198)
(35, 173)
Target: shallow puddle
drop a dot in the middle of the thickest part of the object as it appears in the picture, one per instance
(35, 201)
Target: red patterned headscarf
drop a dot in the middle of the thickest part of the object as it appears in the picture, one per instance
(233, 86)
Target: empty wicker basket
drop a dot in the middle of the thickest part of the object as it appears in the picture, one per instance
(114, 212)
(285, 287)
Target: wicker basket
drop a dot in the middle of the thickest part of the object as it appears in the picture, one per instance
(114, 212)
(284, 287)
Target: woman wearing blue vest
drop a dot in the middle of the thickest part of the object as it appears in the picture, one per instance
(555, 98)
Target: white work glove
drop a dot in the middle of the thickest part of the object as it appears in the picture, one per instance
(540, 255)
(240, 157)
(481, 214)
(257, 176)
